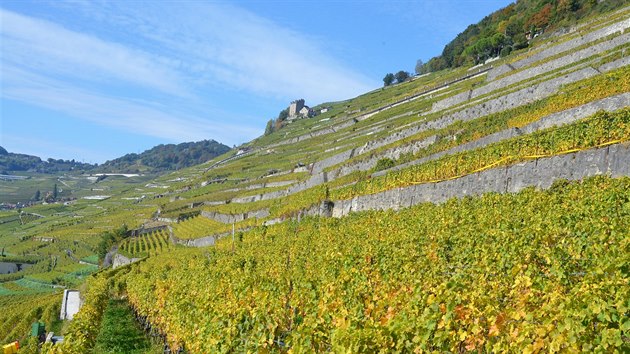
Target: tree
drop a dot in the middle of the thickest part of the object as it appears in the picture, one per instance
(108, 239)
(565, 6)
(277, 125)
(540, 19)
(514, 26)
(269, 127)
(498, 40)
(401, 76)
(37, 195)
(420, 69)
(388, 79)
(436, 64)
(55, 192)
(384, 164)
(284, 114)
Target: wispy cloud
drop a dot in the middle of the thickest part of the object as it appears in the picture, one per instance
(126, 114)
(165, 69)
(51, 49)
(254, 54)
(223, 45)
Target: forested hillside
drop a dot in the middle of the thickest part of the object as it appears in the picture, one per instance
(21, 162)
(169, 157)
(161, 158)
(512, 28)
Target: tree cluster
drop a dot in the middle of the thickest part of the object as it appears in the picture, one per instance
(22, 162)
(399, 77)
(277, 124)
(160, 158)
(512, 28)
(110, 238)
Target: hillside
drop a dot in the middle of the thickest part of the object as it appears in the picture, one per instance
(14, 162)
(513, 28)
(161, 158)
(166, 157)
(29, 179)
(481, 208)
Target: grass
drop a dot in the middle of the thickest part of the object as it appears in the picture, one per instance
(120, 333)
(92, 259)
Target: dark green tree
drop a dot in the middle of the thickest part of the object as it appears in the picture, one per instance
(401, 76)
(108, 239)
(269, 127)
(384, 164)
(420, 68)
(37, 196)
(284, 114)
(388, 79)
(55, 192)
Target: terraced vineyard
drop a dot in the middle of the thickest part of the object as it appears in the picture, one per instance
(20, 311)
(599, 130)
(335, 249)
(196, 227)
(483, 274)
(146, 245)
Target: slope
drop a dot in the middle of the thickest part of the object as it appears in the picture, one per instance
(489, 273)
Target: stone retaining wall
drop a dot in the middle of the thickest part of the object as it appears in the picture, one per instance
(568, 116)
(120, 260)
(319, 166)
(539, 173)
(514, 100)
(493, 73)
(352, 121)
(233, 218)
(393, 153)
(509, 101)
(323, 209)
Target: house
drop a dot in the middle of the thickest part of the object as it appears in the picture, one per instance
(306, 112)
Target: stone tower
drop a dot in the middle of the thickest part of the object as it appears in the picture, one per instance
(295, 106)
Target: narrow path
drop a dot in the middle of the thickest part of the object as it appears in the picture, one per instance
(120, 333)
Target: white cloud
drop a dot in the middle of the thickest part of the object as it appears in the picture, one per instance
(166, 69)
(143, 118)
(49, 48)
(255, 54)
(232, 47)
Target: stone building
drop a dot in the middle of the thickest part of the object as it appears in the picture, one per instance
(295, 107)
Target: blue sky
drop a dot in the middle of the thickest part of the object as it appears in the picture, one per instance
(93, 80)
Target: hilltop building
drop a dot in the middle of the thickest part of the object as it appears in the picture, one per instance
(295, 107)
